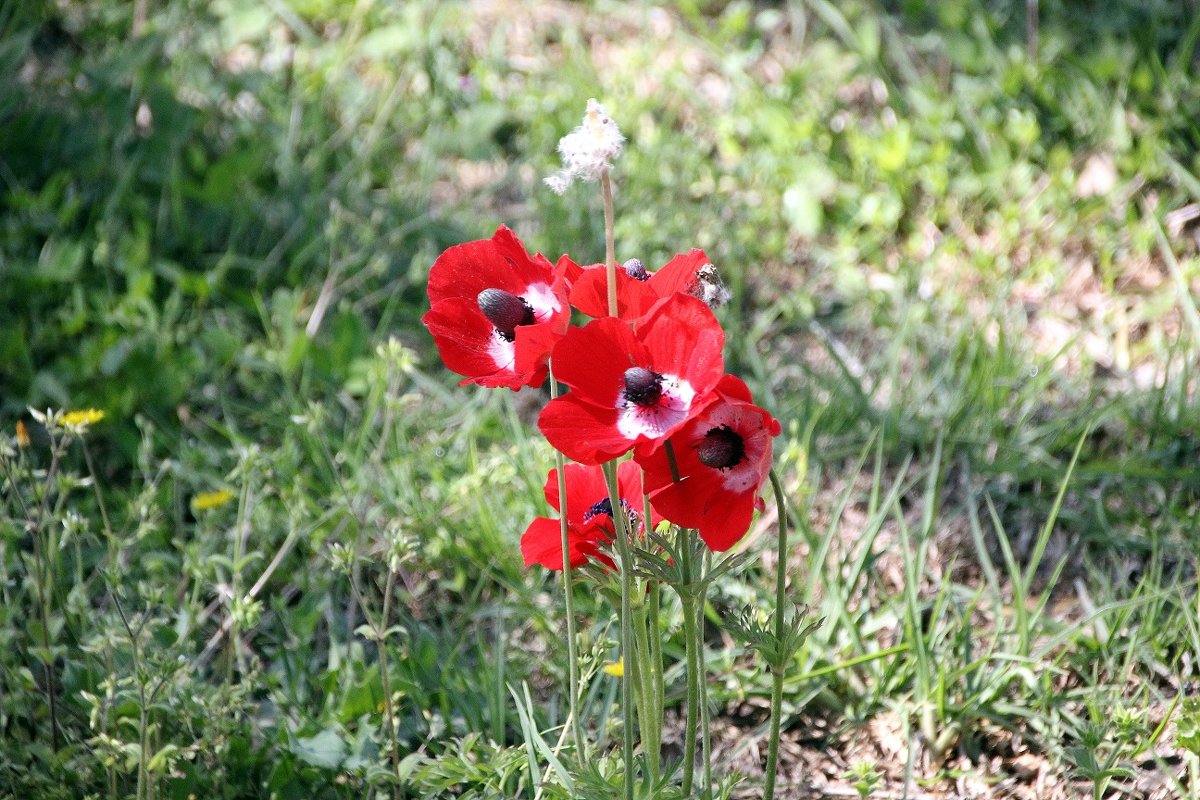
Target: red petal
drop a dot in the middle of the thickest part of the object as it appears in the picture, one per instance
(734, 388)
(629, 479)
(533, 345)
(567, 270)
(592, 360)
(629, 482)
(685, 339)
(501, 262)
(542, 543)
(550, 490)
(583, 432)
(721, 517)
(678, 274)
(585, 486)
(463, 337)
(589, 294)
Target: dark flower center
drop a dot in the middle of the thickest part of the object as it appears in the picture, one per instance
(635, 269)
(505, 310)
(721, 448)
(643, 387)
(605, 507)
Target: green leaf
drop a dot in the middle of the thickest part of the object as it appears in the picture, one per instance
(327, 749)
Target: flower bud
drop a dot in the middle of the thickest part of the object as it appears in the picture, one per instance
(635, 269)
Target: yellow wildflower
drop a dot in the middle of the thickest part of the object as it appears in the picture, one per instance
(615, 668)
(87, 416)
(206, 501)
(22, 435)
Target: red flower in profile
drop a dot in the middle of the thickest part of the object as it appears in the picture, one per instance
(723, 455)
(637, 289)
(496, 312)
(589, 516)
(631, 389)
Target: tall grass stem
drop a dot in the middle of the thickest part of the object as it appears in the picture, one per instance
(568, 590)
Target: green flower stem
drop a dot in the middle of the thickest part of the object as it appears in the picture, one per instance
(687, 602)
(620, 520)
(777, 674)
(385, 681)
(652, 739)
(647, 710)
(658, 692)
(42, 555)
(637, 669)
(628, 652)
(702, 680)
(235, 633)
(568, 593)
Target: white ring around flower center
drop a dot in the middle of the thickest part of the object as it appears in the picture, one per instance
(541, 299)
(746, 474)
(655, 420)
(502, 351)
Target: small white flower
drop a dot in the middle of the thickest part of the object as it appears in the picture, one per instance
(588, 150)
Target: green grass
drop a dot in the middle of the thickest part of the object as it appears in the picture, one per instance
(996, 511)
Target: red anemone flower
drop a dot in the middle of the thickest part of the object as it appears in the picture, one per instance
(637, 289)
(632, 389)
(723, 455)
(496, 312)
(589, 516)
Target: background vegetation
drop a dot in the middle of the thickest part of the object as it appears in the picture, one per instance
(964, 260)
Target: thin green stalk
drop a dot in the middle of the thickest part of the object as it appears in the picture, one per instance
(646, 697)
(235, 633)
(635, 668)
(385, 681)
(777, 673)
(87, 459)
(652, 738)
(702, 680)
(620, 519)
(569, 602)
(687, 602)
(658, 690)
(108, 702)
(627, 643)
(42, 555)
(143, 718)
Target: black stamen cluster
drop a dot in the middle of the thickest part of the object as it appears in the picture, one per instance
(722, 448)
(643, 387)
(505, 310)
(605, 507)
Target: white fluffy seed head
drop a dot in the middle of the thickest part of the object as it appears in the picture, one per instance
(588, 150)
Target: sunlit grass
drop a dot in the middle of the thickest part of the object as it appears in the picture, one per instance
(996, 356)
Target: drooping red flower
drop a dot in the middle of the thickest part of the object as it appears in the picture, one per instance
(589, 516)
(496, 312)
(637, 289)
(723, 455)
(632, 388)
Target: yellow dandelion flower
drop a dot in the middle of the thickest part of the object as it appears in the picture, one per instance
(206, 501)
(22, 435)
(615, 668)
(87, 416)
